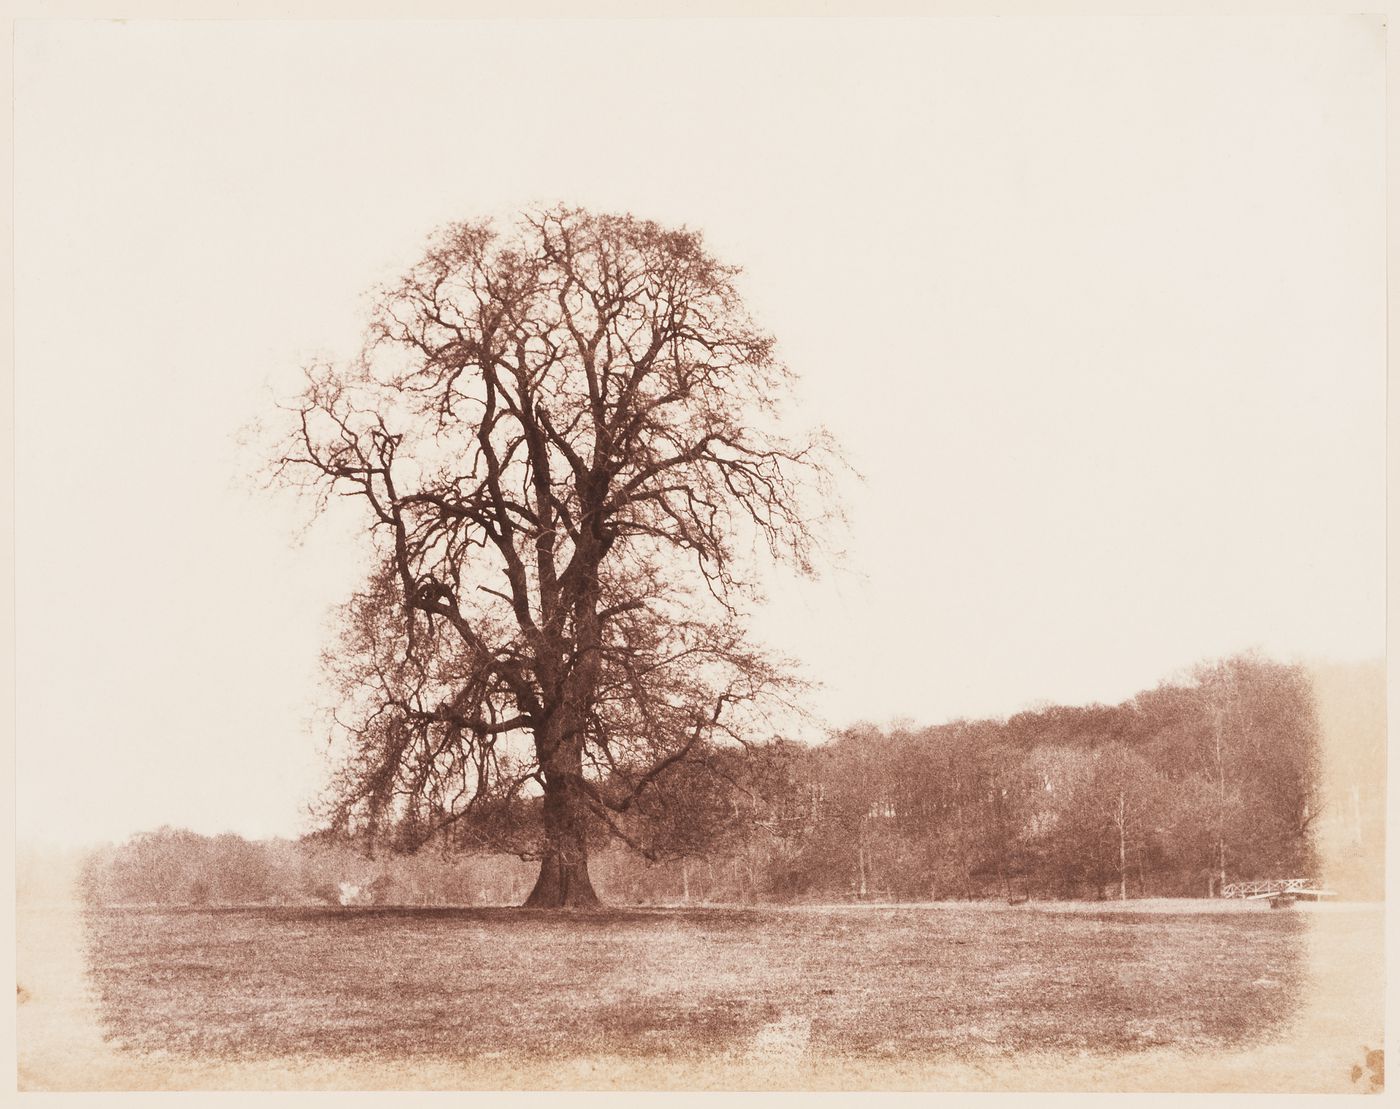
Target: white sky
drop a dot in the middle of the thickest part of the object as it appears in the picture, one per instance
(1096, 306)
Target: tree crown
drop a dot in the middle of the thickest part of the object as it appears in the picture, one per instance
(569, 442)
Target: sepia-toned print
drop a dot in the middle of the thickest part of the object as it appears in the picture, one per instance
(701, 555)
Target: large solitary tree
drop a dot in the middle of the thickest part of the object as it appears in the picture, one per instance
(568, 442)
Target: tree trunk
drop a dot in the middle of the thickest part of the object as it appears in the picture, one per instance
(1122, 850)
(563, 882)
(1220, 803)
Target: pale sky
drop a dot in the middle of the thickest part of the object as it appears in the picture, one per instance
(1096, 306)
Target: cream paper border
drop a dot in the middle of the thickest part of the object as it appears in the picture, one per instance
(655, 9)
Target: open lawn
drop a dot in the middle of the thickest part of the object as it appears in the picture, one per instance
(951, 996)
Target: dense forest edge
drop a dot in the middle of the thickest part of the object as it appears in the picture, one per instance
(1244, 769)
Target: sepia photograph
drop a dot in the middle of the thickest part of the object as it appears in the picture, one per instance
(700, 553)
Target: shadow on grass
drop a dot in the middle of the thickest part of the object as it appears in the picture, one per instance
(717, 916)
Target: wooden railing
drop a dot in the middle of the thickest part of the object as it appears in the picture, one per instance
(1268, 885)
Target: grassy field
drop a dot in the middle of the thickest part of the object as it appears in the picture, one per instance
(794, 996)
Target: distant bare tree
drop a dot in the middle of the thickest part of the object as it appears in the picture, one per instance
(566, 440)
(1129, 797)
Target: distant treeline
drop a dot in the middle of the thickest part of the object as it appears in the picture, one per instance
(1185, 788)
(1211, 780)
(173, 866)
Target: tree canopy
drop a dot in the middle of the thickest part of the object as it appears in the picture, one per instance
(568, 441)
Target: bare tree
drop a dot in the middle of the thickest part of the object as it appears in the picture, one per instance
(1128, 794)
(568, 442)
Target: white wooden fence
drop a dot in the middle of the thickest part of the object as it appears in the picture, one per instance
(1267, 885)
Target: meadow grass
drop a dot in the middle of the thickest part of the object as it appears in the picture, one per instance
(535, 996)
(895, 982)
